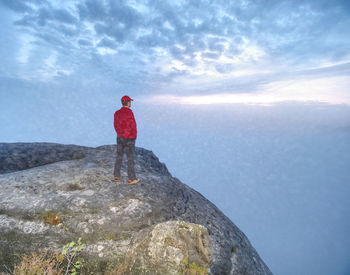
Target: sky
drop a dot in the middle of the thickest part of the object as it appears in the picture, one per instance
(197, 52)
(248, 102)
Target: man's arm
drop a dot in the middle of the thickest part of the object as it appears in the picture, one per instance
(133, 125)
(116, 122)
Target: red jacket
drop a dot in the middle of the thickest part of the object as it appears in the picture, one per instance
(124, 123)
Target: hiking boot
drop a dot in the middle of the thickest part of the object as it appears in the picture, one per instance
(135, 181)
(116, 179)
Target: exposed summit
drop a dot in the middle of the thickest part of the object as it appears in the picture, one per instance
(151, 227)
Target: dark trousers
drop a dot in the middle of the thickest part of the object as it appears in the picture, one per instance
(127, 145)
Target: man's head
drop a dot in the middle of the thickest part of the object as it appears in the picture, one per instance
(126, 101)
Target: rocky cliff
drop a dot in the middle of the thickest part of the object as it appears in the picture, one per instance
(150, 227)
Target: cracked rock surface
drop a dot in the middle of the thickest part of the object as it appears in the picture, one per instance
(51, 194)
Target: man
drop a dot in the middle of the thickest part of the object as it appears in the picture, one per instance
(125, 126)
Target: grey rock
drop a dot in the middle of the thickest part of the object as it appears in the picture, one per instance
(164, 247)
(74, 183)
(21, 156)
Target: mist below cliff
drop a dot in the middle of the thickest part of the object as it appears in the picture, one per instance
(289, 193)
(282, 174)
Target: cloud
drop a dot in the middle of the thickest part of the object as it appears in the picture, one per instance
(92, 10)
(84, 42)
(18, 6)
(325, 90)
(196, 44)
(107, 42)
(325, 84)
(287, 29)
(64, 16)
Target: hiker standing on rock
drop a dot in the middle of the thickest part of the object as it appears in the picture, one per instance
(125, 126)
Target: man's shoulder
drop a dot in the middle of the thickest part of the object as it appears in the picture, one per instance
(123, 110)
(126, 110)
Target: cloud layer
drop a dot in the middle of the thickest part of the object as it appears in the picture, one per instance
(182, 47)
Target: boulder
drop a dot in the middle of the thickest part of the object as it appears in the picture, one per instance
(165, 247)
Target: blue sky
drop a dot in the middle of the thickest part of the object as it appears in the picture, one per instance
(255, 52)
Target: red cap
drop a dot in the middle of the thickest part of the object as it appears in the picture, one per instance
(126, 98)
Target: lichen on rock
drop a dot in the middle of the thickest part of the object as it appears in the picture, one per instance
(164, 247)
